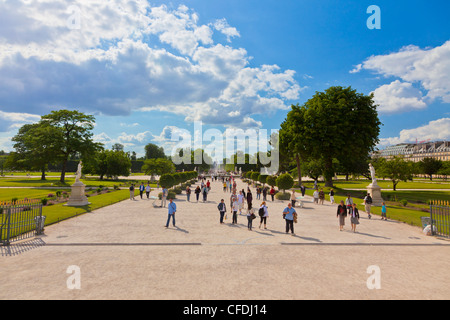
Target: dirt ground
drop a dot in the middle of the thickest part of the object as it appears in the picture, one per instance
(124, 251)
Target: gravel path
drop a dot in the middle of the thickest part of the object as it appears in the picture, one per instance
(124, 252)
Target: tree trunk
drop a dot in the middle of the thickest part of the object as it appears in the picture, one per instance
(43, 174)
(328, 173)
(63, 171)
(299, 170)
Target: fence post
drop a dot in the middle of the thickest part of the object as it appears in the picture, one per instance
(8, 226)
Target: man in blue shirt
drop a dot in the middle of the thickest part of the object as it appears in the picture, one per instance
(172, 211)
(165, 192)
(141, 189)
(289, 214)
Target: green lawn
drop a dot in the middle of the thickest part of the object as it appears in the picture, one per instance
(54, 182)
(20, 194)
(387, 185)
(417, 202)
(60, 212)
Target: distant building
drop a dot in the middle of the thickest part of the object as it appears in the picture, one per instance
(416, 152)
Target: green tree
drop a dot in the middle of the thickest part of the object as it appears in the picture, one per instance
(74, 136)
(158, 167)
(271, 181)
(396, 170)
(430, 166)
(292, 145)
(152, 151)
(167, 180)
(285, 181)
(334, 124)
(37, 145)
(445, 169)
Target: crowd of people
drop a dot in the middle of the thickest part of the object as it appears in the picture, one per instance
(241, 203)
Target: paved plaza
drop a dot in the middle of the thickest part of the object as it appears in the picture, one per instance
(124, 251)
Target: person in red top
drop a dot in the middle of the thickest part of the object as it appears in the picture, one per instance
(272, 193)
(208, 185)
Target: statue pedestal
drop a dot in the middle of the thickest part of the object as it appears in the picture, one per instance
(375, 192)
(77, 196)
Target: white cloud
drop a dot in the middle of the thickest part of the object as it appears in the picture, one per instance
(428, 68)
(398, 97)
(435, 131)
(14, 120)
(223, 26)
(127, 56)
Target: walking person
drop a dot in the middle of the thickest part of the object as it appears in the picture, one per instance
(258, 193)
(354, 217)
(341, 214)
(321, 196)
(132, 192)
(148, 189)
(368, 204)
(250, 217)
(289, 215)
(293, 198)
(332, 196)
(272, 193)
(165, 193)
(172, 210)
(235, 208)
(264, 192)
(316, 196)
(349, 203)
(205, 193)
(197, 192)
(264, 214)
(222, 210)
(249, 200)
(141, 189)
(303, 190)
(383, 211)
(188, 193)
(240, 202)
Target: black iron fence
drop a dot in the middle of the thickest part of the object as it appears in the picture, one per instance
(20, 220)
(440, 218)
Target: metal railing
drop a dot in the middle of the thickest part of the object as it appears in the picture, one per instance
(20, 220)
(440, 218)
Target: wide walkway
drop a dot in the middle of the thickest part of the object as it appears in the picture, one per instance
(125, 252)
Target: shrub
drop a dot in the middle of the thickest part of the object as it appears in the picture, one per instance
(404, 202)
(167, 180)
(171, 195)
(271, 181)
(44, 201)
(177, 190)
(285, 181)
(58, 193)
(116, 187)
(14, 200)
(283, 196)
(99, 190)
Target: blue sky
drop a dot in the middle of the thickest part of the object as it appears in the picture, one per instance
(148, 69)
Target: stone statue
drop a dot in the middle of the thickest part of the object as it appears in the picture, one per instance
(372, 173)
(78, 175)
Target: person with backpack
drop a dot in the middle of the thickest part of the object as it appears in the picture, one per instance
(132, 192)
(222, 210)
(264, 214)
(341, 214)
(368, 204)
